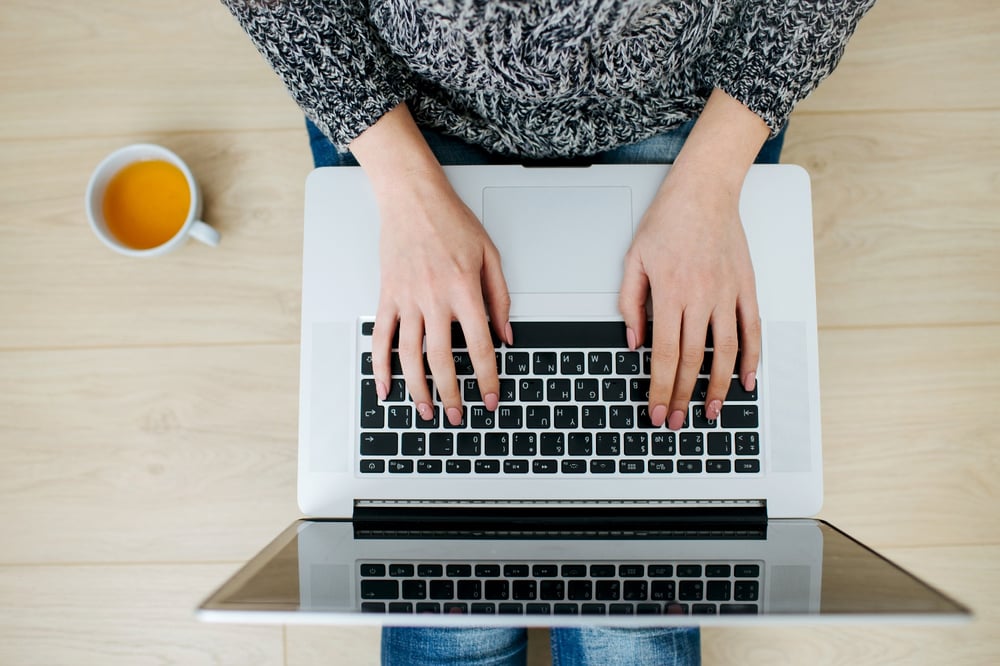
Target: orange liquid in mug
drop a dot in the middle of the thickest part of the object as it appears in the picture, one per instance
(146, 204)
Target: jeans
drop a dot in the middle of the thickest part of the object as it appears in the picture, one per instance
(590, 646)
(659, 149)
(670, 646)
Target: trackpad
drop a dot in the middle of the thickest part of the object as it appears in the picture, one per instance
(560, 239)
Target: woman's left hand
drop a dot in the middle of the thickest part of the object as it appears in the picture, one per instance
(691, 253)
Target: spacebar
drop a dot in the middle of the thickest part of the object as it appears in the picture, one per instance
(569, 334)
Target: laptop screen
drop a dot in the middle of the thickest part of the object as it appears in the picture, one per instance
(321, 572)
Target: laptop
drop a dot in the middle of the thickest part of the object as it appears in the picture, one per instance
(565, 506)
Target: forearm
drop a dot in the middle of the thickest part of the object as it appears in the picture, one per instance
(723, 144)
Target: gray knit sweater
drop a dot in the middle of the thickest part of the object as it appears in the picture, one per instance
(545, 78)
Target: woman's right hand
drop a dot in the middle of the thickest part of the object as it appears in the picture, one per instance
(438, 265)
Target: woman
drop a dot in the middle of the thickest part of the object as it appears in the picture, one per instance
(701, 84)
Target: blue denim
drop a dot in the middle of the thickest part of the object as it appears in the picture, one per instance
(590, 646)
(659, 149)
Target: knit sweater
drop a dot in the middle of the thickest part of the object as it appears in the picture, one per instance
(545, 78)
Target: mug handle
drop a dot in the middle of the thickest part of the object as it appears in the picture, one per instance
(205, 233)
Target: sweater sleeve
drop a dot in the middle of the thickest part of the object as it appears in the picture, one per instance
(778, 51)
(331, 59)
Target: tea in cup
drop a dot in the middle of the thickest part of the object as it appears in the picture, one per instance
(143, 201)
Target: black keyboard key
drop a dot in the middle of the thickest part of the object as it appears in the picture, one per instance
(544, 363)
(689, 571)
(414, 589)
(661, 466)
(372, 413)
(699, 419)
(581, 444)
(580, 590)
(401, 467)
(510, 609)
(400, 570)
(373, 570)
(435, 421)
(372, 466)
(414, 444)
(648, 609)
(719, 444)
(530, 390)
(663, 443)
(553, 444)
(599, 466)
(442, 589)
(565, 609)
(570, 466)
(458, 466)
(608, 590)
(496, 590)
(739, 416)
(566, 417)
(574, 571)
(470, 391)
(537, 609)
(544, 466)
(570, 335)
(692, 444)
(497, 444)
(635, 590)
(638, 390)
(700, 393)
(631, 570)
(558, 390)
(379, 444)
(622, 417)
(747, 444)
(469, 590)
(463, 364)
(379, 589)
(428, 607)
(717, 570)
(703, 609)
(508, 390)
(689, 466)
(594, 417)
(524, 590)
(608, 444)
(630, 466)
(748, 466)
(456, 608)
(442, 444)
(551, 590)
(663, 590)
(545, 570)
(737, 393)
(481, 418)
(661, 570)
(395, 365)
(483, 609)
(373, 607)
(602, 570)
(586, 390)
(524, 444)
(628, 363)
(746, 590)
(676, 609)
(614, 390)
(469, 443)
(430, 570)
(400, 417)
(516, 570)
(636, 444)
(593, 609)
(368, 327)
(511, 416)
(397, 391)
(706, 364)
(400, 607)
(463, 422)
(691, 590)
(718, 590)
(515, 466)
(738, 609)
(517, 363)
(487, 466)
(366, 363)
(718, 466)
(537, 417)
(429, 466)
(620, 609)
(572, 363)
(746, 570)
(487, 570)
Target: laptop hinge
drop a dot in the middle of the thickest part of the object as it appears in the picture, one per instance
(542, 518)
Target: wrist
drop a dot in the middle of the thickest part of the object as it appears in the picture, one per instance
(394, 153)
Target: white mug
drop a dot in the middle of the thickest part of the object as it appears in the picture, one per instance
(118, 160)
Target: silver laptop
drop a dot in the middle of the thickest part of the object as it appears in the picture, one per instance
(565, 505)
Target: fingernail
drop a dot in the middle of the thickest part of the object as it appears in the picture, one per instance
(510, 334)
(630, 336)
(713, 409)
(425, 411)
(381, 391)
(491, 400)
(659, 415)
(676, 420)
(750, 381)
(454, 416)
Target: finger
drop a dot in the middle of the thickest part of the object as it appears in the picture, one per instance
(482, 353)
(632, 300)
(497, 297)
(442, 363)
(664, 357)
(725, 346)
(748, 315)
(693, 334)
(411, 340)
(386, 321)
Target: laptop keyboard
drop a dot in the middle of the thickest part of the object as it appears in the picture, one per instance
(553, 588)
(573, 401)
